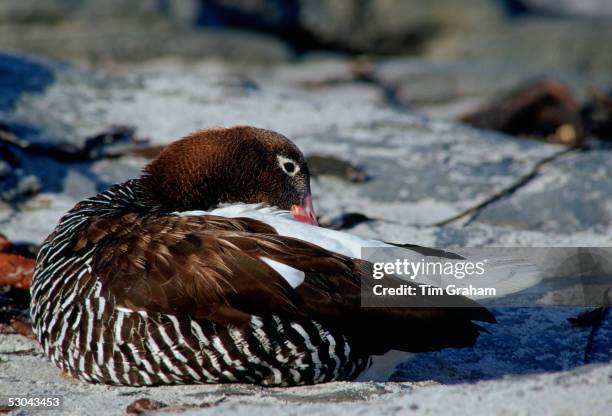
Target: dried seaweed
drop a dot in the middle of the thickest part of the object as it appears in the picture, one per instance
(545, 110)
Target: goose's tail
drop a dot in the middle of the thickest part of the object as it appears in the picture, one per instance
(498, 273)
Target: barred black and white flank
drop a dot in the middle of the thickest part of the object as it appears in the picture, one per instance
(135, 287)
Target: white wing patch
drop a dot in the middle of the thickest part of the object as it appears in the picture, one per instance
(284, 223)
(293, 276)
(383, 366)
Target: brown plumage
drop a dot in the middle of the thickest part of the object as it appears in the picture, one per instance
(128, 292)
(199, 173)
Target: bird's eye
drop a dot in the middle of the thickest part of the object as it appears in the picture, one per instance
(288, 165)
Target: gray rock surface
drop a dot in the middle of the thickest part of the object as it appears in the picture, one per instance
(550, 44)
(583, 8)
(550, 203)
(106, 41)
(451, 88)
(57, 10)
(105, 33)
(581, 391)
(422, 171)
(111, 32)
(390, 25)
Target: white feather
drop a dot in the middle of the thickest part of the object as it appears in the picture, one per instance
(293, 276)
(284, 223)
(383, 366)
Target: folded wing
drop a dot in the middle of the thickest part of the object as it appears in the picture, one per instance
(227, 269)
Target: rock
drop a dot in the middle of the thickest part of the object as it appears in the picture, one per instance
(446, 88)
(437, 168)
(119, 31)
(16, 185)
(578, 391)
(13, 82)
(389, 26)
(381, 26)
(422, 171)
(269, 15)
(582, 8)
(316, 72)
(550, 204)
(120, 40)
(53, 11)
(338, 168)
(552, 45)
(452, 88)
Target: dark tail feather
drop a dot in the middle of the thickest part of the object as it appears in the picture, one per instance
(429, 323)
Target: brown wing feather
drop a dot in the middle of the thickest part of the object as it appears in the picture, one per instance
(332, 294)
(186, 265)
(210, 267)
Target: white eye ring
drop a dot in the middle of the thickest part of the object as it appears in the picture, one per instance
(289, 166)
